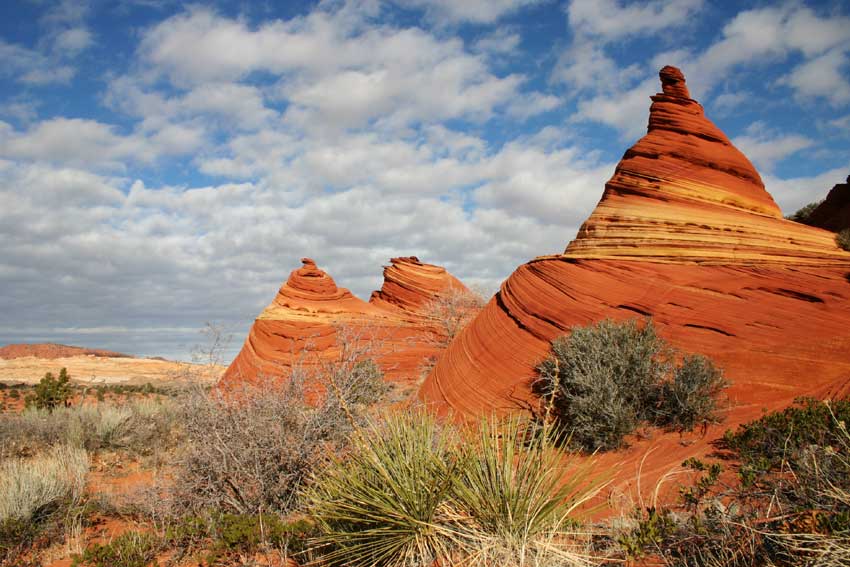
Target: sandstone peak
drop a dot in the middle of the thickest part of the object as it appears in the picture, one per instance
(409, 284)
(301, 324)
(685, 193)
(673, 82)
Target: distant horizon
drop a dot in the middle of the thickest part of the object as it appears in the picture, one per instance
(164, 166)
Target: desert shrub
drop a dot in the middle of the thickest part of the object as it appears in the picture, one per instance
(690, 397)
(250, 450)
(130, 549)
(786, 438)
(51, 392)
(843, 239)
(451, 311)
(803, 213)
(791, 505)
(38, 492)
(519, 494)
(603, 380)
(140, 426)
(383, 502)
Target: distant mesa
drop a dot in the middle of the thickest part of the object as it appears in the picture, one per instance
(685, 233)
(834, 212)
(302, 324)
(54, 350)
(30, 362)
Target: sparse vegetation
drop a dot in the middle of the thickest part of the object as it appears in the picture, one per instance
(412, 492)
(249, 451)
(803, 213)
(130, 549)
(450, 312)
(603, 380)
(789, 506)
(843, 239)
(51, 392)
(36, 494)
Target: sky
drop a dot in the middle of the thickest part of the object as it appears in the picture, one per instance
(165, 164)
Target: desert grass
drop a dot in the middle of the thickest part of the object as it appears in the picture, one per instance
(31, 489)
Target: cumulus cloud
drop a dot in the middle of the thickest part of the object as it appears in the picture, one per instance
(610, 20)
(765, 147)
(474, 11)
(88, 143)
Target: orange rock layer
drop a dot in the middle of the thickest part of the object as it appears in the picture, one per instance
(685, 233)
(303, 324)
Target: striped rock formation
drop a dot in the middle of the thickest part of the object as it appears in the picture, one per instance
(685, 233)
(303, 323)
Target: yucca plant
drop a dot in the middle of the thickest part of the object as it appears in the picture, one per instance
(384, 503)
(519, 494)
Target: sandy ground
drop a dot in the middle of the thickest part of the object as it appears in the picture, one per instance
(106, 370)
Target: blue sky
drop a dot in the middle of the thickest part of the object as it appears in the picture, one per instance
(166, 164)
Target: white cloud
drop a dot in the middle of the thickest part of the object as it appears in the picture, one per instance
(824, 76)
(610, 20)
(627, 111)
(765, 148)
(791, 194)
(475, 11)
(74, 40)
(74, 141)
(31, 67)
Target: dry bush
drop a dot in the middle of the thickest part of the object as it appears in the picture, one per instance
(249, 451)
(450, 312)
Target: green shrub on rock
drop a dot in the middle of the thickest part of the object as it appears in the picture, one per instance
(604, 380)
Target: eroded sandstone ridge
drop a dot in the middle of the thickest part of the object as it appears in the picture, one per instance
(304, 323)
(686, 233)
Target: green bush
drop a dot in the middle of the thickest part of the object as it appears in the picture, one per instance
(51, 392)
(843, 239)
(803, 213)
(602, 381)
(130, 549)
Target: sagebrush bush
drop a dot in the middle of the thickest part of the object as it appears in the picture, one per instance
(38, 492)
(142, 426)
(690, 398)
(31, 489)
(603, 380)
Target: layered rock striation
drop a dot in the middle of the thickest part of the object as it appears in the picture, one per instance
(685, 233)
(310, 316)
